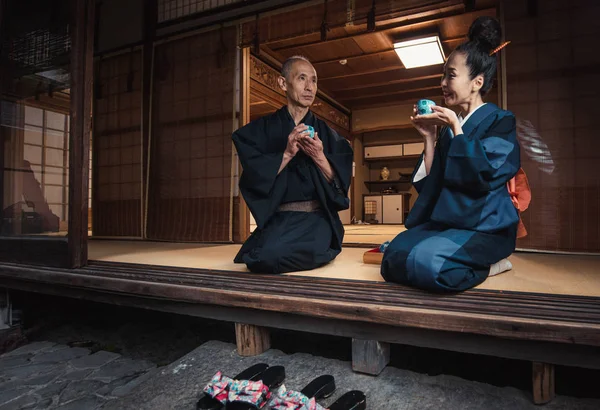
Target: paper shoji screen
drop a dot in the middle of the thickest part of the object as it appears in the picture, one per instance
(117, 177)
(191, 150)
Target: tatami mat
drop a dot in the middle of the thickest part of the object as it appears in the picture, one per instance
(370, 234)
(539, 273)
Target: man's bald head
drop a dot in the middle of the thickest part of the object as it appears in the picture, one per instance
(286, 68)
(299, 81)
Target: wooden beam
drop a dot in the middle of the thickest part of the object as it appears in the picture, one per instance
(399, 98)
(391, 76)
(374, 71)
(428, 14)
(351, 58)
(370, 356)
(251, 340)
(543, 382)
(506, 314)
(366, 85)
(82, 77)
(379, 52)
(388, 29)
(399, 95)
(564, 354)
(390, 89)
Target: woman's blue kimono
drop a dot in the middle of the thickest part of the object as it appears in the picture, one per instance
(463, 220)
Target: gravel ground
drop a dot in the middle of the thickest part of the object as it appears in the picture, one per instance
(161, 339)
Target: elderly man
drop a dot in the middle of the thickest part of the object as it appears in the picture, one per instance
(293, 182)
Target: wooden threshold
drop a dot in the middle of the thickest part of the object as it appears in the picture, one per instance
(514, 315)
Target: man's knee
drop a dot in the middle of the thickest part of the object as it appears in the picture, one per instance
(269, 264)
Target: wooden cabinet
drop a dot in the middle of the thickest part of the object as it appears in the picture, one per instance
(415, 148)
(373, 208)
(392, 209)
(384, 151)
(386, 208)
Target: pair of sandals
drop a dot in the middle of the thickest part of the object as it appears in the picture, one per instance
(261, 385)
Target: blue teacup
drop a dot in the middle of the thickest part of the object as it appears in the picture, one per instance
(424, 107)
(310, 131)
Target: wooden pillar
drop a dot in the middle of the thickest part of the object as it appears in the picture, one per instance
(150, 20)
(242, 217)
(370, 356)
(251, 340)
(543, 382)
(2, 80)
(82, 77)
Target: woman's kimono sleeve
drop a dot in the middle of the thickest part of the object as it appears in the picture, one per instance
(260, 183)
(419, 176)
(482, 163)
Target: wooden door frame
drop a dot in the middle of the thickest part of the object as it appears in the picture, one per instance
(69, 252)
(243, 215)
(82, 79)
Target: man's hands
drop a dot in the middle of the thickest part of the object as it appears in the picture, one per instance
(293, 145)
(299, 139)
(312, 147)
(294, 139)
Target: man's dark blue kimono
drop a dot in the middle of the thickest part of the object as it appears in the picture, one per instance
(287, 241)
(463, 220)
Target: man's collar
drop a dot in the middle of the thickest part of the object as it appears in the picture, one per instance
(308, 118)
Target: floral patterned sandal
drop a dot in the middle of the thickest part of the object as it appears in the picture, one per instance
(248, 395)
(216, 391)
(353, 400)
(306, 399)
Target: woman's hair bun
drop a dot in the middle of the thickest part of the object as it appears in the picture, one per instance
(486, 32)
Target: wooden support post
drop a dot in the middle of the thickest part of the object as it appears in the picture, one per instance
(543, 382)
(241, 219)
(82, 76)
(3, 79)
(251, 340)
(370, 356)
(150, 21)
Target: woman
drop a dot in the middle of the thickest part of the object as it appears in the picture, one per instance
(463, 221)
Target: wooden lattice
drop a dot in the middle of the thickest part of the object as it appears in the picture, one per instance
(190, 185)
(117, 178)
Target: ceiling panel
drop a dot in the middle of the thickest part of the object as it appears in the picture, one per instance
(363, 64)
(372, 72)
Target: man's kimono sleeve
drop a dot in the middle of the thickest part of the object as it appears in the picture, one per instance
(482, 163)
(259, 180)
(340, 157)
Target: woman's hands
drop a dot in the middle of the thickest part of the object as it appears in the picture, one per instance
(427, 130)
(441, 116)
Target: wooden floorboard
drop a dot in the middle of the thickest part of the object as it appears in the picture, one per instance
(574, 309)
(501, 314)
